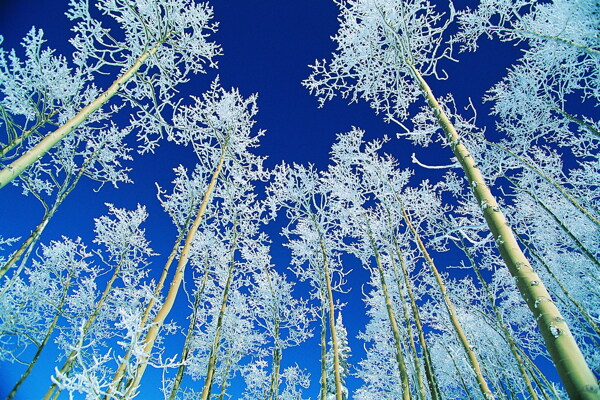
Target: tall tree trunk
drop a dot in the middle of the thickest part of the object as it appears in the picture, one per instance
(558, 221)
(188, 338)
(413, 347)
(483, 386)
(538, 376)
(117, 380)
(334, 341)
(578, 379)
(406, 392)
(225, 373)
(212, 360)
(323, 391)
(277, 348)
(275, 368)
(432, 382)
(565, 229)
(28, 244)
(164, 311)
(36, 152)
(530, 366)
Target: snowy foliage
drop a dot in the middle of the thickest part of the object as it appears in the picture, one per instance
(379, 45)
(443, 310)
(175, 30)
(344, 352)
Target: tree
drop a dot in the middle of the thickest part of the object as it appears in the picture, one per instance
(92, 314)
(344, 368)
(33, 307)
(385, 52)
(96, 155)
(219, 127)
(380, 377)
(284, 318)
(161, 44)
(220, 319)
(315, 240)
(352, 195)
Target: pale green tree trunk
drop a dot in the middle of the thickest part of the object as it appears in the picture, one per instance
(275, 368)
(188, 338)
(16, 167)
(461, 379)
(481, 382)
(277, 348)
(225, 374)
(432, 383)
(212, 360)
(117, 380)
(575, 374)
(323, 391)
(413, 347)
(334, 341)
(164, 311)
(406, 390)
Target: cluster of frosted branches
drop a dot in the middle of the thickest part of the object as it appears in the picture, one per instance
(466, 295)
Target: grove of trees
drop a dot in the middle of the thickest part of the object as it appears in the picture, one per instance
(479, 277)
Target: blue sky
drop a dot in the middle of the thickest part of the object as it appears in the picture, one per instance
(267, 46)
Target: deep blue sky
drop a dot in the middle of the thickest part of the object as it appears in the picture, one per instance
(267, 46)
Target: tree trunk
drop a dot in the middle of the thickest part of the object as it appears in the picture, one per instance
(15, 168)
(164, 311)
(560, 223)
(28, 245)
(120, 373)
(276, 364)
(413, 347)
(224, 383)
(578, 379)
(429, 369)
(483, 386)
(406, 392)
(334, 342)
(212, 360)
(323, 392)
(188, 339)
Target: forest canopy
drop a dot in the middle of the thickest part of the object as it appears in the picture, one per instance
(161, 240)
